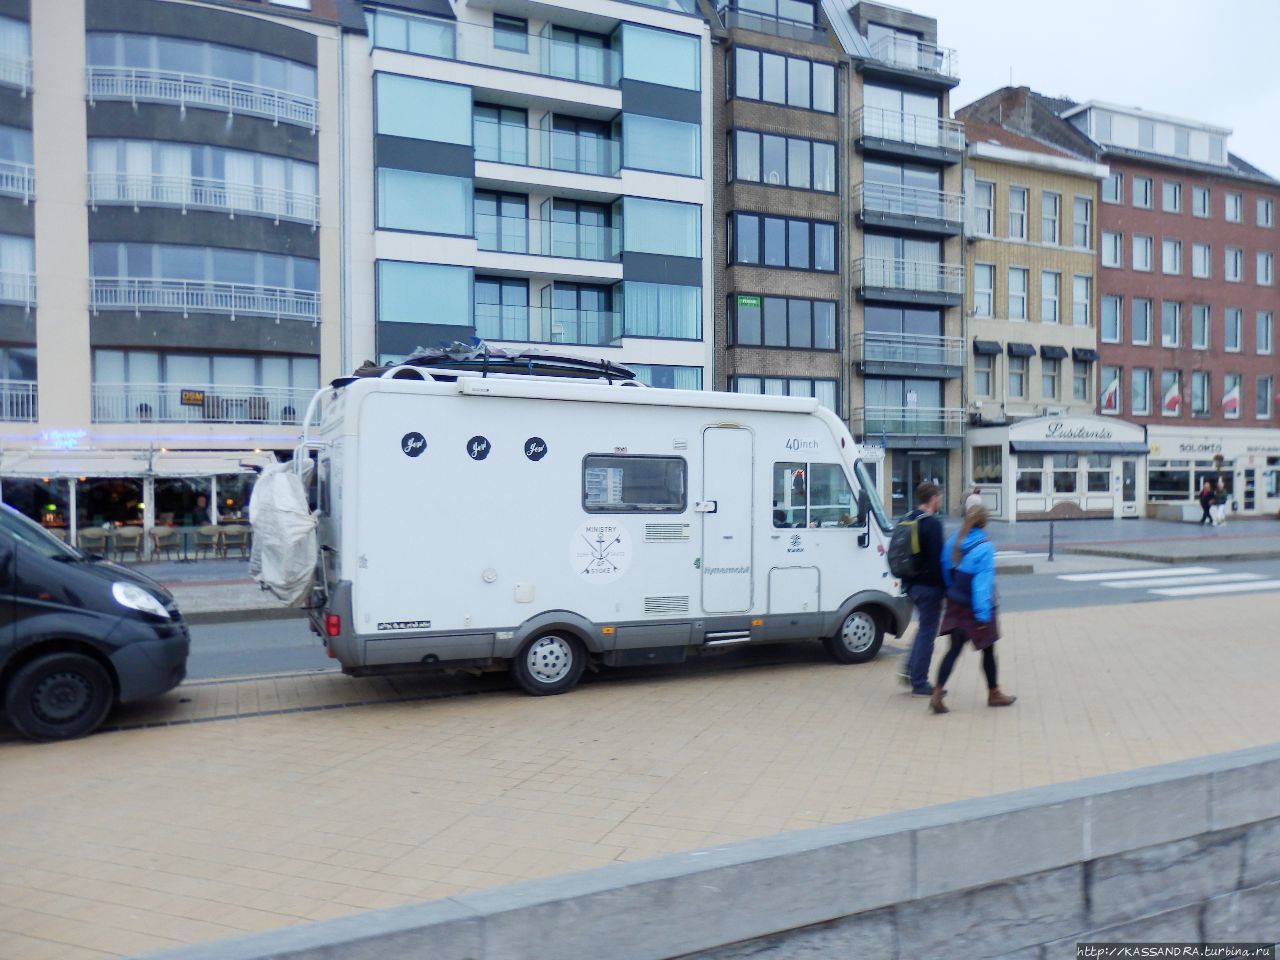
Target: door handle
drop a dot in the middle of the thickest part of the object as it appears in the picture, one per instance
(705, 506)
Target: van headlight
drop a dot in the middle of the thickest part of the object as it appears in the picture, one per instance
(135, 598)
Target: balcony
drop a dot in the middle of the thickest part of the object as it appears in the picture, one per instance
(15, 71)
(18, 288)
(908, 135)
(546, 149)
(17, 180)
(197, 193)
(145, 85)
(596, 328)
(909, 208)
(547, 238)
(202, 296)
(882, 278)
(486, 47)
(915, 58)
(198, 403)
(763, 16)
(901, 425)
(18, 401)
(907, 354)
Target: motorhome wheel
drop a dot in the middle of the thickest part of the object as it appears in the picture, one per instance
(858, 639)
(551, 663)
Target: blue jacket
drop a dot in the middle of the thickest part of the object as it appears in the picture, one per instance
(980, 564)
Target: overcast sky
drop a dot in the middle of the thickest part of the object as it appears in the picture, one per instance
(1210, 61)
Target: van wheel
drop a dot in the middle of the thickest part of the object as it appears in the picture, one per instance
(858, 639)
(551, 663)
(59, 696)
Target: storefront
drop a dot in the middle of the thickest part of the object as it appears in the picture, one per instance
(1247, 461)
(1048, 468)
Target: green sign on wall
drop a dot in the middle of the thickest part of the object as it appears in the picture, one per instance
(748, 301)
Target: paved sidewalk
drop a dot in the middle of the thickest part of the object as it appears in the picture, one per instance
(358, 795)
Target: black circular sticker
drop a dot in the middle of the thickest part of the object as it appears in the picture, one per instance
(535, 448)
(478, 448)
(413, 444)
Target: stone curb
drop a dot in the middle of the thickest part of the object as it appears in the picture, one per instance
(1195, 556)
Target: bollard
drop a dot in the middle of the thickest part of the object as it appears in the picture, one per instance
(1050, 539)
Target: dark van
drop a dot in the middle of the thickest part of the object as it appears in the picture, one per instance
(78, 634)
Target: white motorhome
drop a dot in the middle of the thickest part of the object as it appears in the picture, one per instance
(484, 521)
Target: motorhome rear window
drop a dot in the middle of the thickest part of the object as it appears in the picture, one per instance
(634, 484)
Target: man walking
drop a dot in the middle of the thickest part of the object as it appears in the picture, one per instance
(926, 589)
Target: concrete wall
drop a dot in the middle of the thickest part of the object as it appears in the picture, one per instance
(1184, 852)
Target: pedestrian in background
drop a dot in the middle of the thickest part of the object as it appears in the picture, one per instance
(1206, 503)
(969, 571)
(974, 499)
(1220, 500)
(925, 590)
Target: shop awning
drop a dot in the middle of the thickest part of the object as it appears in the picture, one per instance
(1075, 446)
(1050, 352)
(987, 348)
(66, 464)
(1021, 350)
(1084, 355)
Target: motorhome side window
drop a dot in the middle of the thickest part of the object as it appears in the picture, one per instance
(323, 488)
(634, 484)
(812, 495)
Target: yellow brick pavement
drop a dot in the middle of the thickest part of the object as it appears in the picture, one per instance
(146, 838)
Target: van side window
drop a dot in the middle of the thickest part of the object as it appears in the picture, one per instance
(790, 495)
(634, 484)
(812, 495)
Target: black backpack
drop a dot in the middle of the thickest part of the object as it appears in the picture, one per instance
(904, 548)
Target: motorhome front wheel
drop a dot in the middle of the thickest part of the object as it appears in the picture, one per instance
(858, 639)
(551, 663)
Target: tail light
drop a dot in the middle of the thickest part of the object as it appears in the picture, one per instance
(332, 625)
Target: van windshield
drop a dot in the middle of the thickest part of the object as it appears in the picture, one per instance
(24, 530)
(877, 508)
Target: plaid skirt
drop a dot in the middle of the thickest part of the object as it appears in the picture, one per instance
(959, 618)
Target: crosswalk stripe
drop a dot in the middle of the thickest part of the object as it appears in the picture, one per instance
(1181, 581)
(1135, 574)
(1219, 588)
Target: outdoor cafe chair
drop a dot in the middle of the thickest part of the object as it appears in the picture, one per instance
(128, 539)
(93, 540)
(235, 535)
(165, 540)
(208, 540)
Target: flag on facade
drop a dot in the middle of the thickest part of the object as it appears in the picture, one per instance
(1173, 397)
(1231, 400)
(1111, 394)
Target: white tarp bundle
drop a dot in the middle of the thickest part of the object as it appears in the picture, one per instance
(283, 559)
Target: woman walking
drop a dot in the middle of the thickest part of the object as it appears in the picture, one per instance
(969, 571)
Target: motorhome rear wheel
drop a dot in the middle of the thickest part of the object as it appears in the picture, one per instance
(858, 639)
(551, 663)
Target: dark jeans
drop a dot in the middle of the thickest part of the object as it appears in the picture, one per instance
(1207, 517)
(949, 660)
(928, 601)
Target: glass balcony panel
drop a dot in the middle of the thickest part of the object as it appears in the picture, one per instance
(546, 238)
(916, 129)
(547, 324)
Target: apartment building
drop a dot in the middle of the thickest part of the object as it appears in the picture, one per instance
(537, 177)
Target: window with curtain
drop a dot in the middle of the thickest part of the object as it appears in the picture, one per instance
(662, 227)
(662, 310)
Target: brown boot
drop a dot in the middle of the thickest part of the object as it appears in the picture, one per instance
(935, 701)
(997, 699)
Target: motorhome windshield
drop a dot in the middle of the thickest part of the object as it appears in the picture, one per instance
(868, 485)
(21, 528)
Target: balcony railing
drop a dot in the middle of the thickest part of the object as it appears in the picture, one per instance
(197, 403)
(136, 84)
(907, 53)
(908, 348)
(18, 401)
(597, 328)
(912, 202)
(910, 421)
(547, 149)
(547, 238)
(19, 288)
(773, 23)
(15, 71)
(506, 50)
(17, 180)
(909, 128)
(202, 296)
(198, 193)
(913, 275)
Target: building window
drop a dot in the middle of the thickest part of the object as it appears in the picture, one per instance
(1030, 475)
(783, 161)
(1231, 399)
(1113, 188)
(666, 311)
(1171, 196)
(667, 376)
(1146, 134)
(783, 322)
(1109, 384)
(787, 81)
(1200, 202)
(1264, 398)
(403, 288)
(1066, 467)
(1080, 377)
(984, 279)
(662, 227)
(424, 202)
(823, 390)
(1018, 213)
(1234, 267)
(1110, 328)
(988, 463)
(1171, 256)
(1171, 393)
(1232, 320)
(1182, 141)
(663, 146)
(1170, 323)
(1050, 209)
(1142, 248)
(661, 57)
(501, 134)
(1140, 391)
(1234, 207)
(510, 33)
(1264, 269)
(1018, 293)
(1199, 393)
(1265, 212)
(1050, 292)
(1142, 192)
(1264, 332)
(1018, 377)
(502, 308)
(1199, 326)
(1081, 297)
(779, 242)
(423, 109)
(984, 205)
(1112, 249)
(984, 367)
(502, 222)
(1050, 373)
(1200, 260)
(1140, 321)
(1082, 223)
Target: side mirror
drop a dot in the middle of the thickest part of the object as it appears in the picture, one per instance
(864, 508)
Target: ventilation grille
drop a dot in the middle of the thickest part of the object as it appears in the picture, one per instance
(665, 606)
(666, 533)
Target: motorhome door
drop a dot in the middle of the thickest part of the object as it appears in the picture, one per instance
(726, 519)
